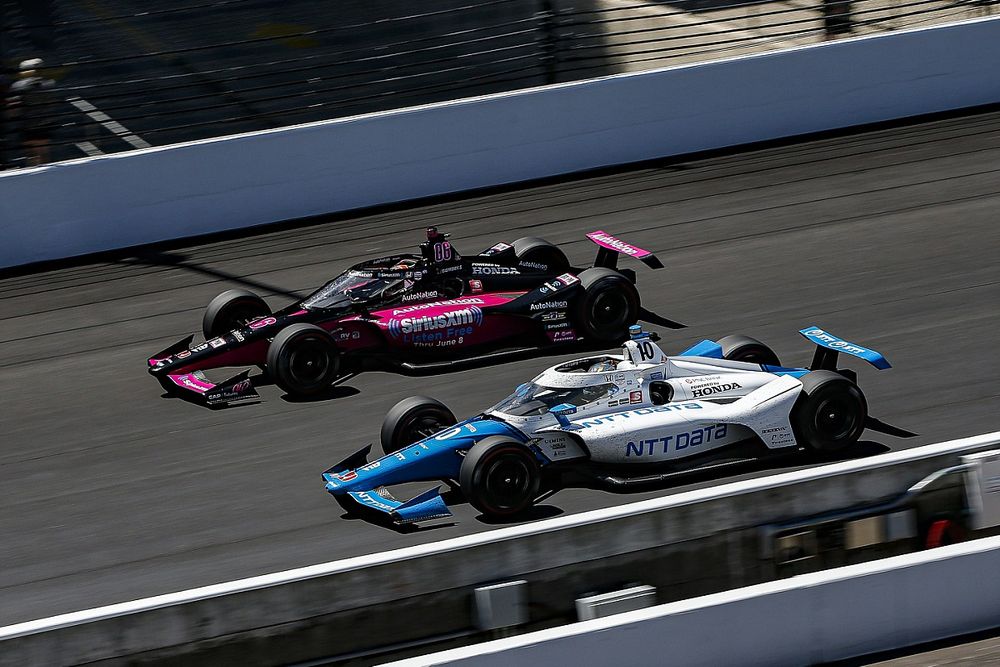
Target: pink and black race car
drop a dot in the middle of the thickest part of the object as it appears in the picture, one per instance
(416, 315)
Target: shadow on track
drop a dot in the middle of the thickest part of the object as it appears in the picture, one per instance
(180, 261)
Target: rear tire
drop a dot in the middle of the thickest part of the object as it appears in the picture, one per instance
(500, 477)
(608, 307)
(412, 420)
(539, 251)
(829, 415)
(303, 360)
(230, 310)
(745, 348)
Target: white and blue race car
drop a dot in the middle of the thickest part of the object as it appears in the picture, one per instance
(614, 420)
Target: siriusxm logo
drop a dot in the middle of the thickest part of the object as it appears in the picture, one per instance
(471, 316)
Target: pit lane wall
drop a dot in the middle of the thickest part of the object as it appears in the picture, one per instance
(117, 201)
(686, 544)
(810, 619)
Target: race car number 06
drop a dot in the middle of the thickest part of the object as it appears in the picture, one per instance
(442, 252)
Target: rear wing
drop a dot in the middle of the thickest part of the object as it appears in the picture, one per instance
(611, 247)
(829, 347)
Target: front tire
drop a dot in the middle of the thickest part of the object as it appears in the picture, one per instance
(500, 477)
(745, 348)
(609, 305)
(412, 420)
(230, 310)
(303, 360)
(829, 415)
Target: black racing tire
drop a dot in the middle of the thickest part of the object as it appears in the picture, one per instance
(745, 348)
(500, 477)
(231, 310)
(829, 415)
(608, 307)
(303, 360)
(539, 251)
(412, 420)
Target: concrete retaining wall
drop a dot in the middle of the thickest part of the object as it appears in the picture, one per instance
(117, 201)
(807, 620)
(687, 544)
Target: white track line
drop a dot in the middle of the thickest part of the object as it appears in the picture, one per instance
(89, 148)
(109, 123)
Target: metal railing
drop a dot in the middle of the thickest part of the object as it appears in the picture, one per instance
(126, 80)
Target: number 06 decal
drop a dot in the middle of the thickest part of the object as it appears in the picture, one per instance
(442, 252)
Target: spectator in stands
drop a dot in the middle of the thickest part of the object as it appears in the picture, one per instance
(30, 111)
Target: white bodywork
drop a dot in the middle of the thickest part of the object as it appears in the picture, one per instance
(714, 403)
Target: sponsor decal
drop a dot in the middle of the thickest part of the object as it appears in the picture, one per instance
(558, 325)
(429, 329)
(606, 419)
(635, 397)
(451, 269)
(183, 354)
(553, 316)
(420, 296)
(347, 476)
(658, 375)
(835, 342)
(465, 301)
(217, 342)
(614, 377)
(549, 305)
(240, 387)
(476, 286)
(568, 279)
(616, 244)
(191, 384)
(678, 441)
(534, 265)
(715, 389)
(498, 248)
(370, 466)
(199, 348)
(703, 379)
(349, 335)
(561, 336)
(368, 499)
(490, 270)
(238, 336)
(261, 323)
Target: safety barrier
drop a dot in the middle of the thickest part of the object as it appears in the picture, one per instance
(117, 201)
(335, 607)
(810, 619)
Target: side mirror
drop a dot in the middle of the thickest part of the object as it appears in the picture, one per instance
(561, 411)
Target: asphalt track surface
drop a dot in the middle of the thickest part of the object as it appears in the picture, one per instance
(111, 492)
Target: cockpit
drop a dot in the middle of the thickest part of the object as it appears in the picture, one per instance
(379, 280)
(531, 400)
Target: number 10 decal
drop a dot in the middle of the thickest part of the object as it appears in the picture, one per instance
(646, 350)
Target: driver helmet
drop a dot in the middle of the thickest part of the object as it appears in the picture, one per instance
(404, 264)
(603, 366)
